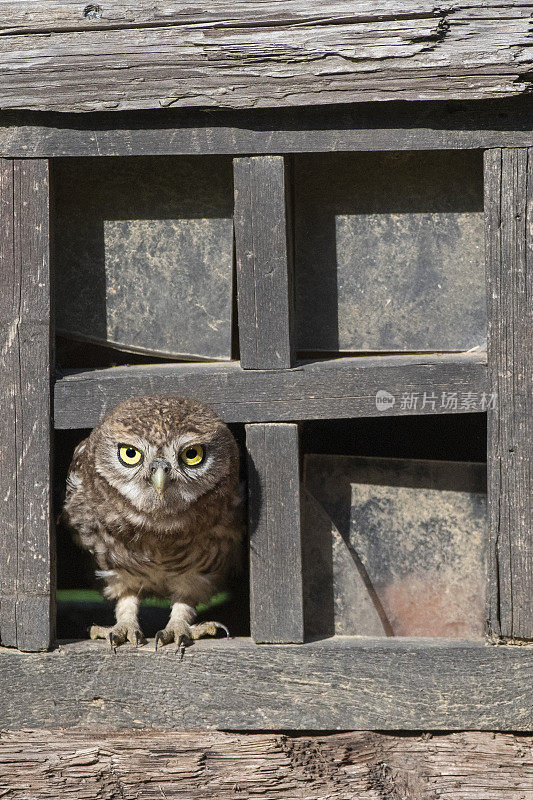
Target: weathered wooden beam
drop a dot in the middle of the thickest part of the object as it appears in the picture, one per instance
(26, 537)
(509, 220)
(199, 764)
(263, 248)
(341, 683)
(276, 592)
(280, 53)
(329, 389)
(26, 17)
(424, 125)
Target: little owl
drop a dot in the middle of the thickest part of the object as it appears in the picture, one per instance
(153, 494)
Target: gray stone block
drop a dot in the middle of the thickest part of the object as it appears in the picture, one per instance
(394, 547)
(144, 254)
(389, 251)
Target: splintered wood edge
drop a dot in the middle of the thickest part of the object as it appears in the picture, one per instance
(206, 763)
(277, 53)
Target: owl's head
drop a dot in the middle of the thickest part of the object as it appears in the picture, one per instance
(164, 453)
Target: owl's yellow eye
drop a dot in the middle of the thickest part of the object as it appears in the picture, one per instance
(193, 455)
(129, 456)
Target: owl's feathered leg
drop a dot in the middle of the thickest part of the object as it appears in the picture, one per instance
(127, 627)
(180, 629)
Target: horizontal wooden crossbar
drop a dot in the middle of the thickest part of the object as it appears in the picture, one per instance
(341, 128)
(339, 683)
(336, 388)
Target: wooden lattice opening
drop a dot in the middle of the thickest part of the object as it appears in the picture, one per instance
(275, 387)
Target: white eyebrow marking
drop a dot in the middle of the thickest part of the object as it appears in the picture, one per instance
(188, 438)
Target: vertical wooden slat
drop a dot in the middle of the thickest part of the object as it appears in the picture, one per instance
(26, 549)
(276, 596)
(264, 254)
(8, 459)
(263, 245)
(509, 232)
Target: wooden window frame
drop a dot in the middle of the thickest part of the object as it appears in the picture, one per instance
(342, 682)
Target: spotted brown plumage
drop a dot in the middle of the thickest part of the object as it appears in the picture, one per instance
(153, 494)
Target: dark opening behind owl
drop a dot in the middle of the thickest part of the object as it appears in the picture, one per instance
(153, 494)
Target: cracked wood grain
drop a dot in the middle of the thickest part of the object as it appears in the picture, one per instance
(26, 541)
(137, 765)
(328, 389)
(260, 54)
(29, 17)
(342, 683)
(509, 220)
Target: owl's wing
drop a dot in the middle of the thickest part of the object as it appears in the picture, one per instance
(78, 511)
(73, 476)
(73, 484)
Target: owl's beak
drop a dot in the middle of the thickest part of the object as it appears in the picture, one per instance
(160, 470)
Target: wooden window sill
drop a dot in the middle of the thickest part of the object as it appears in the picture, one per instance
(341, 683)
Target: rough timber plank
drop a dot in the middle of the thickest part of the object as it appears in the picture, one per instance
(509, 219)
(344, 387)
(280, 53)
(26, 618)
(276, 592)
(263, 248)
(425, 125)
(26, 16)
(8, 461)
(195, 765)
(336, 684)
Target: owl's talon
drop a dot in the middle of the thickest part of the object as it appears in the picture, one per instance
(119, 634)
(175, 632)
(208, 629)
(183, 634)
(222, 627)
(181, 647)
